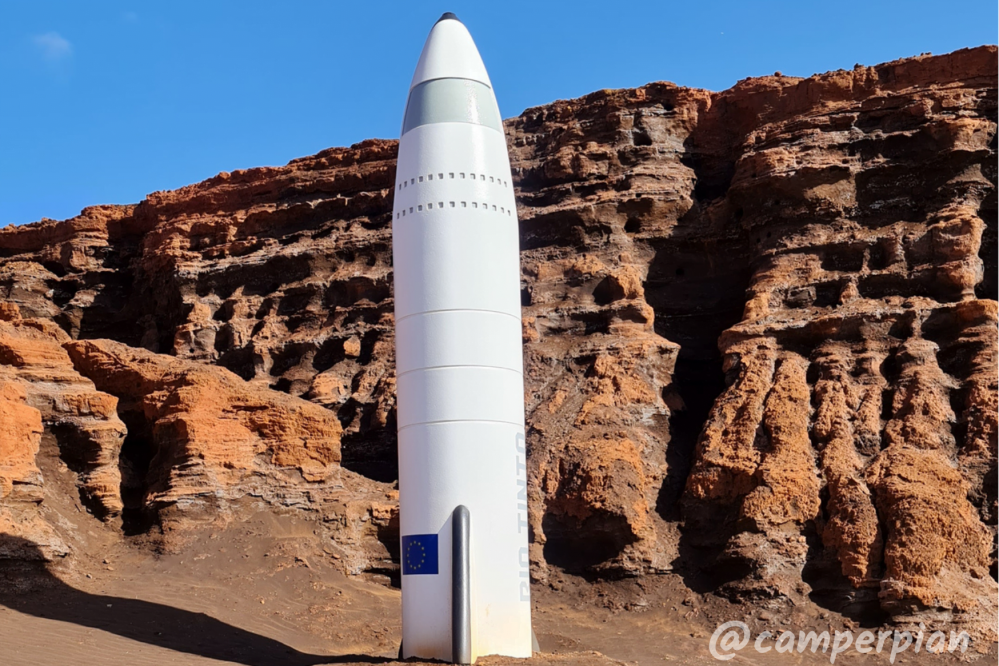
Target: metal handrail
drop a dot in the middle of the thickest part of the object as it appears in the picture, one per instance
(461, 587)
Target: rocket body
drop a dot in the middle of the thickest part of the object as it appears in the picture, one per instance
(459, 356)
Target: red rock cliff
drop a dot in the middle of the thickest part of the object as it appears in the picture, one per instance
(759, 325)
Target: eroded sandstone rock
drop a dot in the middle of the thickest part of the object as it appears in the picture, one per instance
(759, 325)
(20, 433)
(210, 434)
(82, 420)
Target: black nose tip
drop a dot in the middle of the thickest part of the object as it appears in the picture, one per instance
(448, 15)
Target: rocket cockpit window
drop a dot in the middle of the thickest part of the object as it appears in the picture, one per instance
(452, 101)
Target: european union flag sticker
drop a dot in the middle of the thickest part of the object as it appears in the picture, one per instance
(419, 554)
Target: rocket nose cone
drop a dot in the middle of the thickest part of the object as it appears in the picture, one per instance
(448, 15)
(450, 53)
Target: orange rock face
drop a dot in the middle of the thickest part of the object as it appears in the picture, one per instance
(210, 432)
(51, 391)
(20, 432)
(880, 304)
(759, 325)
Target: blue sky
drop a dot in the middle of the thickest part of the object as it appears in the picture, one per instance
(103, 102)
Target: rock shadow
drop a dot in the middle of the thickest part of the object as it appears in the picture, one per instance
(148, 622)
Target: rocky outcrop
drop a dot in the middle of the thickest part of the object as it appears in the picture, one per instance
(202, 441)
(83, 420)
(41, 395)
(204, 434)
(848, 371)
(20, 434)
(596, 372)
(759, 325)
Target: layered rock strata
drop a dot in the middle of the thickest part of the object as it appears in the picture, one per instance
(50, 392)
(760, 334)
(199, 433)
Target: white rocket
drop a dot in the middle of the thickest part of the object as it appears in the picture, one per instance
(459, 363)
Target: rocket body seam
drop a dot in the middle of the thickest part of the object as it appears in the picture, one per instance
(455, 122)
(415, 314)
(421, 423)
(458, 365)
(459, 78)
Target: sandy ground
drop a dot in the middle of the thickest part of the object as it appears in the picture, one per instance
(246, 596)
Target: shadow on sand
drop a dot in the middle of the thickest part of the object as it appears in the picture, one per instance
(145, 621)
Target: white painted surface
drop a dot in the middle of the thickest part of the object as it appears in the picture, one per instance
(450, 52)
(459, 353)
(475, 464)
(458, 337)
(463, 392)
